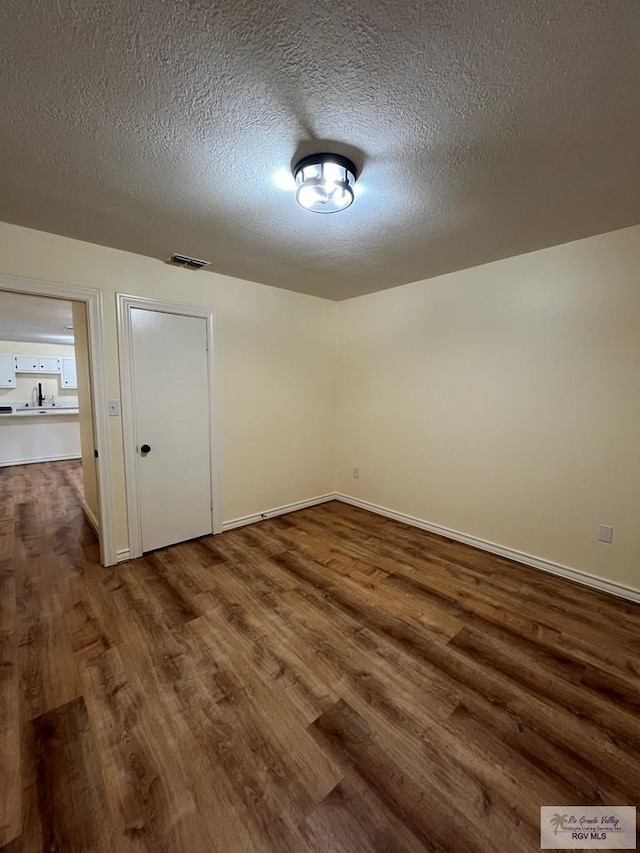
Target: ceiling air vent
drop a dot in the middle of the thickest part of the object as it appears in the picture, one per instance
(186, 261)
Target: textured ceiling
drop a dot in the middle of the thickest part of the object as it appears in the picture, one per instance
(483, 128)
(34, 318)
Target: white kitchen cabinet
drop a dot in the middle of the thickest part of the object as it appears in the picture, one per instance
(27, 364)
(69, 378)
(49, 364)
(37, 364)
(7, 371)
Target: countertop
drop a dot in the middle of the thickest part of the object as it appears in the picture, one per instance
(38, 412)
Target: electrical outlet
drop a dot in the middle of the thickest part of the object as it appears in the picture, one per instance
(356, 473)
(606, 534)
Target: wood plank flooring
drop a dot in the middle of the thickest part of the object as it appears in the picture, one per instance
(324, 681)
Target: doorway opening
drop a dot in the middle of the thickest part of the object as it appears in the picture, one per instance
(52, 407)
(46, 407)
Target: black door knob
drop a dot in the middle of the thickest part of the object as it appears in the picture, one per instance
(145, 448)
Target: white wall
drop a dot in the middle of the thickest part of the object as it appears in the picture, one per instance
(276, 370)
(38, 439)
(504, 402)
(85, 407)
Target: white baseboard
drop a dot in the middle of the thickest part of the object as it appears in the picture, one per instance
(90, 516)
(11, 462)
(575, 575)
(279, 510)
(125, 554)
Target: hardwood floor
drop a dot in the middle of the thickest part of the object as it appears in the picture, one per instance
(328, 680)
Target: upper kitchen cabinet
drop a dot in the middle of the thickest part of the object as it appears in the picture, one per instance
(49, 364)
(69, 378)
(7, 371)
(37, 364)
(27, 364)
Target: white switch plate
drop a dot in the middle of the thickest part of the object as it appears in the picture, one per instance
(356, 473)
(606, 534)
(113, 407)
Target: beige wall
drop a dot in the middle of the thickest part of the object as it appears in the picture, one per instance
(275, 366)
(501, 401)
(27, 382)
(504, 402)
(85, 408)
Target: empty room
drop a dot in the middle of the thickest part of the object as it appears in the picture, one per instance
(319, 426)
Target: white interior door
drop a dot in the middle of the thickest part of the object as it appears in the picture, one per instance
(172, 419)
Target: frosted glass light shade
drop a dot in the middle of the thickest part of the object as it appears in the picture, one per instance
(325, 182)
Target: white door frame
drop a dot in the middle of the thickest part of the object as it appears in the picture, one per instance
(124, 305)
(93, 301)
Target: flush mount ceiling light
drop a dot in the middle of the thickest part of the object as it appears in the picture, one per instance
(325, 182)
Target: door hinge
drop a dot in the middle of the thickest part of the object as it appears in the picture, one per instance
(95, 452)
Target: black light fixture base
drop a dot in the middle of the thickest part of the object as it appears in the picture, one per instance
(325, 157)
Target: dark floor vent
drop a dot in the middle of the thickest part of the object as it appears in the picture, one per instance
(186, 261)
